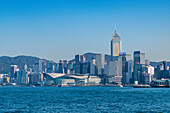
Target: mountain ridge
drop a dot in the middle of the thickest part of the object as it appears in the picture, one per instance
(21, 60)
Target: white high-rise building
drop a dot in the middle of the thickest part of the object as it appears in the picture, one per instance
(93, 67)
(25, 75)
(149, 74)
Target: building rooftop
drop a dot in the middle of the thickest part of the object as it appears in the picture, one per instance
(57, 75)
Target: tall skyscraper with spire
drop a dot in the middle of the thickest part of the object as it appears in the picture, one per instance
(115, 45)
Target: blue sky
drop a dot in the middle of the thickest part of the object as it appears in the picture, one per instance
(59, 29)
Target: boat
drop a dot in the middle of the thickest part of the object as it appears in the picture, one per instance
(32, 86)
(141, 86)
(120, 85)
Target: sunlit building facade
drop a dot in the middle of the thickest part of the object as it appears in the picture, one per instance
(115, 45)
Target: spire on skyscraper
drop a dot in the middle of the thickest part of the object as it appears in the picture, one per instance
(115, 45)
(115, 28)
(115, 35)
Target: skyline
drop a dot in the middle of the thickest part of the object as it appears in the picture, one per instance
(60, 29)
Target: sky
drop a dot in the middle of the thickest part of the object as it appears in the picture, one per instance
(60, 29)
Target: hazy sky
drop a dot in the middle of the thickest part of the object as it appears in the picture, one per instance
(59, 29)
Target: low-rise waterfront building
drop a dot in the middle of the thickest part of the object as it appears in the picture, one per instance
(161, 83)
(65, 79)
(94, 80)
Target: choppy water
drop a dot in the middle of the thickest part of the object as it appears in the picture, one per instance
(84, 99)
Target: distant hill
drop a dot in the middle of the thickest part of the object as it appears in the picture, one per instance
(6, 61)
(155, 64)
(90, 56)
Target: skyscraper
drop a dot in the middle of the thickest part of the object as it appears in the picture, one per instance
(162, 71)
(149, 74)
(139, 58)
(50, 67)
(13, 73)
(115, 66)
(25, 75)
(147, 62)
(93, 67)
(115, 45)
(100, 60)
(60, 67)
(79, 62)
(127, 68)
(19, 76)
(79, 58)
(139, 67)
(40, 66)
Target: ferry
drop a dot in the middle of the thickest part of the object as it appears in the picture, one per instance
(141, 86)
(32, 86)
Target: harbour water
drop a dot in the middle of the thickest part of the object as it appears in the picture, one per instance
(84, 99)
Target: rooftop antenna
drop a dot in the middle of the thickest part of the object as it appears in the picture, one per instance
(115, 28)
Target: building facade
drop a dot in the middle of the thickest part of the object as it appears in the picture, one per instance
(139, 67)
(115, 45)
(100, 60)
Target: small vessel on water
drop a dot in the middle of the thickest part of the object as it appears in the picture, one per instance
(32, 86)
(120, 85)
(141, 86)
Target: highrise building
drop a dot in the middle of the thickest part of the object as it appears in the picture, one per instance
(19, 76)
(40, 66)
(125, 56)
(115, 66)
(127, 68)
(115, 70)
(77, 68)
(166, 70)
(139, 67)
(34, 78)
(139, 74)
(71, 67)
(100, 61)
(147, 62)
(93, 67)
(85, 67)
(36, 67)
(106, 69)
(149, 74)
(50, 67)
(79, 63)
(60, 67)
(162, 71)
(25, 75)
(65, 66)
(80, 58)
(139, 58)
(13, 73)
(115, 45)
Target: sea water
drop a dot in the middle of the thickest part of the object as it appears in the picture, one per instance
(84, 99)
